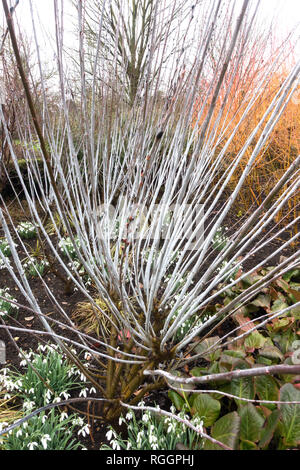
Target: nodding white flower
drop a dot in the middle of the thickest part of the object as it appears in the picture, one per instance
(28, 405)
(84, 431)
(78, 421)
(48, 395)
(93, 390)
(115, 445)
(129, 415)
(32, 445)
(146, 418)
(63, 416)
(139, 438)
(65, 395)
(110, 434)
(44, 440)
(121, 420)
(83, 392)
(19, 433)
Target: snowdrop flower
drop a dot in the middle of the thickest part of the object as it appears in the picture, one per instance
(93, 390)
(129, 416)
(84, 431)
(19, 433)
(146, 417)
(44, 440)
(32, 445)
(63, 416)
(65, 395)
(83, 392)
(121, 420)
(115, 445)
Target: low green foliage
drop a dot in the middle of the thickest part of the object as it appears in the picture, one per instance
(233, 412)
(153, 432)
(43, 432)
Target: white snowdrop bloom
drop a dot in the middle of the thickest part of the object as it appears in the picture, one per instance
(83, 392)
(146, 417)
(19, 433)
(32, 445)
(44, 418)
(115, 445)
(139, 438)
(121, 420)
(93, 390)
(44, 440)
(48, 396)
(109, 435)
(129, 415)
(66, 395)
(63, 416)
(28, 405)
(85, 430)
(78, 421)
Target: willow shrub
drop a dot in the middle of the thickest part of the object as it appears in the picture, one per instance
(150, 191)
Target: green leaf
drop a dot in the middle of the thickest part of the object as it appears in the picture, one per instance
(266, 389)
(206, 344)
(278, 305)
(176, 399)
(262, 301)
(269, 429)
(290, 274)
(271, 352)
(290, 415)
(243, 387)
(251, 423)
(248, 445)
(207, 408)
(225, 430)
(254, 341)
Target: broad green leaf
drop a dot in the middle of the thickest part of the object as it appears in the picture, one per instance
(271, 352)
(207, 408)
(254, 341)
(262, 301)
(199, 371)
(176, 399)
(291, 274)
(278, 305)
(269, 428)
(248, 445)
(266, 389)
(186, 388)
(207, 344)
(290, 415)
(242, 388)
(251, 423)
(225, 430)
(239, 353)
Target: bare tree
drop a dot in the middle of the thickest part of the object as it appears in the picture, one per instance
(134, 33)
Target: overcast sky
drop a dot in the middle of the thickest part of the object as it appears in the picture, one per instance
(286, 11)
